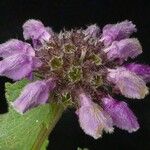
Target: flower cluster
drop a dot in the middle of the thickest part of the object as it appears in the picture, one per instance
(85, 67)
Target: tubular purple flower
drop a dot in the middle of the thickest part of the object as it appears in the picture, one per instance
(121, 114)
(116, 32)
(129, 84)
(124, 49)
(141, 70)
(93, 120)
(80, 60)
(33, 95)
(35, 30)
(92, 31)
(18, 66)
(15, 46)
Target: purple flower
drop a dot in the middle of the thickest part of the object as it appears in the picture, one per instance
(92, 31)
(15, 46)
(79, 59)
(93, 120)
(122, 115)
(35, 30)
(129, 84)
(116, 32)
(33, 95)
(141, 70)
(124, 49)
(18, 66)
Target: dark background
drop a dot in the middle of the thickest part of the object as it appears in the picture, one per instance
(66, 13)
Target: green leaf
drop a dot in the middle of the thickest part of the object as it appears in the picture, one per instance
(29, 131)
(45, 144)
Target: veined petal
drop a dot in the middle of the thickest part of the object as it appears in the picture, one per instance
(35, 30)
(121, 114)
(129, 84)
(33, 95)
(116, 32)
(124, 49)
(18, 66)
(93, 120)
(15, 46)
(141, 70)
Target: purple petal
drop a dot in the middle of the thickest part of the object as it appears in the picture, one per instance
(33, 95)
(141, 70)
(30, 76)
(18, 66)
(15, 46)
(116, 32)
(84, 100)
(129, 84)
(35, 30)
(124, 49)
(93, 120)
(92, 31)
(122, 115)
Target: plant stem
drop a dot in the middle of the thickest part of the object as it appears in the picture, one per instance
(53, 119)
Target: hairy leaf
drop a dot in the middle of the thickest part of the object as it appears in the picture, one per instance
(29, 131)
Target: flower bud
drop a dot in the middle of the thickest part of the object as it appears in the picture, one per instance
(92, 31)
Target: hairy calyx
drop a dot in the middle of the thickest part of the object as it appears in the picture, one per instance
(74, 60)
